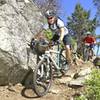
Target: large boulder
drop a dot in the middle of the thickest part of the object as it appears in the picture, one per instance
(19, 20)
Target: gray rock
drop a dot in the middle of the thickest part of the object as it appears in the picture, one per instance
(80, 77)
(54, 91)
(79, 82)
(85, 71)
(2, 2)
(70, 73)
(64, 80)
(96, 61)
(18, 22)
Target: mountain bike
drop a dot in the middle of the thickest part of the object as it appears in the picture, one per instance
(47, 67)
(88, 52)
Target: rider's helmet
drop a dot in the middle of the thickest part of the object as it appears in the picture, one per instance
(50, 13)
(88, 33)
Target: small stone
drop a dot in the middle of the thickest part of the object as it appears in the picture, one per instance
(64, 80)
(79, 82)
(54, 91)
(85, 71)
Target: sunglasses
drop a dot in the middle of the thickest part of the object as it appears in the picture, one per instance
(49, 18)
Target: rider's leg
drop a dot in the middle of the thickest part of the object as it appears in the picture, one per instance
(67, 42)
(68, 54)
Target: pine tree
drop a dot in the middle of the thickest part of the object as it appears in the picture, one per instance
(97, 4)
(79, 23)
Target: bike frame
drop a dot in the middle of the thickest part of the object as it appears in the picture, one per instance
(47, 68)
(87, 50)
(49, 58)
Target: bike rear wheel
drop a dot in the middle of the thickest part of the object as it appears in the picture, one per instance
(86, 54)
(91, 54)
(42, 78)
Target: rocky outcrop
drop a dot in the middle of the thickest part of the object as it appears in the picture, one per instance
(80, 77)
(96, 62)
(19, 20)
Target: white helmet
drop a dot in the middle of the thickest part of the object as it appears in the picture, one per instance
(88, 33)
(50, 13)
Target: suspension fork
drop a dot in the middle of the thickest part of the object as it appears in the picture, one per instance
(47, 58)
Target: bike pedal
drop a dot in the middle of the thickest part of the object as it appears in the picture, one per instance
(63, 72)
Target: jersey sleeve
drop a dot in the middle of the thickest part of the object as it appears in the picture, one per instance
(93, 38)
(60, 23)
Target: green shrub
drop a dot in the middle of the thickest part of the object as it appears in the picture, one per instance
(93, 86)
(92, 91)
(81, 98)
(48, 34)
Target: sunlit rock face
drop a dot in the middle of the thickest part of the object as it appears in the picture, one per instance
(19, 20)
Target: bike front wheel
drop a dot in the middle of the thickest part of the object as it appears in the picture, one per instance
(42, 78)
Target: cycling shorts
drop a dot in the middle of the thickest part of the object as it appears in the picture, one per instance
(66, 39)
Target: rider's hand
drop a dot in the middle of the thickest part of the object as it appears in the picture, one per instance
(87, 44)
(95, 43)
(51, 43)
(58, 41)
(32, 43)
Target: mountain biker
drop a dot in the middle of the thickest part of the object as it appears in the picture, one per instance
(89, 40)
(60, 32)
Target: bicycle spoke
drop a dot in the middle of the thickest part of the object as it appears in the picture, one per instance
(42, 84)
(43, 78)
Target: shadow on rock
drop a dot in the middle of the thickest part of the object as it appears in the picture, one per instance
(28, 91)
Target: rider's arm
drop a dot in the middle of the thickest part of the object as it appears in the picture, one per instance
(85, 39)
(61, 33)
(94, 40)
(60, 23)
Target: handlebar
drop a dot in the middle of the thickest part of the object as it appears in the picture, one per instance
(43, 43)
(52, 43)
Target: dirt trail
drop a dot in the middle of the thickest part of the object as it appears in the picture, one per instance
(58, 91)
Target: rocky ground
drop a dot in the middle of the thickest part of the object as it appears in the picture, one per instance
(64, 88)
